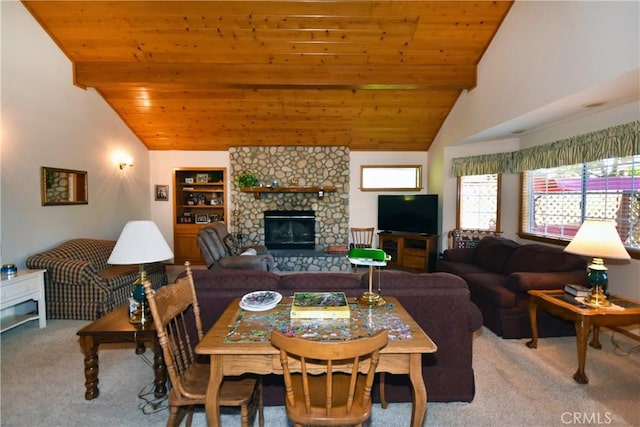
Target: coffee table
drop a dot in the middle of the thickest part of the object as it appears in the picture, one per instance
(559, 303)
(238, 343)
(115, 327)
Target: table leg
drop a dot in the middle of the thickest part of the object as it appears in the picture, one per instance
(91, 367)
(533, 320)
(582, 324)
(42, 312)
(595, 339)
(213, 392)
(419, 390)
(140, 348)
(159, 369)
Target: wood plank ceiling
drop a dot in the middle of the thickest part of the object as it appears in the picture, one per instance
(207, 75)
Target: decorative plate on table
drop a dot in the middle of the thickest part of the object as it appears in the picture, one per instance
(260, 300)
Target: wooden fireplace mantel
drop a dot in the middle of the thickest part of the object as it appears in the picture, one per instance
(318, 190)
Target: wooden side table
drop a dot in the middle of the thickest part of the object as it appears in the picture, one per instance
(115, 327)
(24, 285)
(558, 303)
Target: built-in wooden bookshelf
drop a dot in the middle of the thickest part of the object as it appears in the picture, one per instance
(199, 198)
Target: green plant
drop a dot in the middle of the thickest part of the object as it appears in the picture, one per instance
(247, 179)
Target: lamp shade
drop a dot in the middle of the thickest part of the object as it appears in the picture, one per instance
(368, 256)
(598, 239)
(139, 243)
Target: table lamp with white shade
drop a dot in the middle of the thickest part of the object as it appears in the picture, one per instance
(598, 239)
(140, 242)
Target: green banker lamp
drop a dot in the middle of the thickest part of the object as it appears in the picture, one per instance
(372, 258)
(140, 242)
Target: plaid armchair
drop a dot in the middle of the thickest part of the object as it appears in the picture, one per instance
(79, 284)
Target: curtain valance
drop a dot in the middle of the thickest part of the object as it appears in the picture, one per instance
(617, 141)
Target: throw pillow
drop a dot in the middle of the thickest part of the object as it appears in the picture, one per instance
(250, 251)
(232, 244)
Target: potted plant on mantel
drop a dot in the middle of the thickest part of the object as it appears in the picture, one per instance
(247, 180)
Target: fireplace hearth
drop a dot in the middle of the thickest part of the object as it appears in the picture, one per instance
(289, 229)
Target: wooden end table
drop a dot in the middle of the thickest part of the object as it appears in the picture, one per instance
(116, 328)
(559, 303)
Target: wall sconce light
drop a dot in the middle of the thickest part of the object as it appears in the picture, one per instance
(122, 160)
(124, 163)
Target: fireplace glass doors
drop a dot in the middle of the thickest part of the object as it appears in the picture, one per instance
(289, 229)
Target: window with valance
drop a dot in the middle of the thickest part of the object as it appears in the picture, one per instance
(590, 176)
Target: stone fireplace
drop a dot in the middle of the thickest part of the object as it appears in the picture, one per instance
(307, 166)
(289, 229)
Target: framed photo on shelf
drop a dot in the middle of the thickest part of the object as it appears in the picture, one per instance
(188, 180)
(185, 219)
(162, 192)
(202, 219)
(202, 177)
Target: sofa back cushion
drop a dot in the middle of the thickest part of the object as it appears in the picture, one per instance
(536, 258)
(395, 280)
(232, 279)
(95, 251)
(324, 281)
(492, 253)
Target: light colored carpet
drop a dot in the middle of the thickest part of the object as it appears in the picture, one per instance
(43, 385)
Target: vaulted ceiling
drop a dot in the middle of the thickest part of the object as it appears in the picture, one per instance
(207, 75)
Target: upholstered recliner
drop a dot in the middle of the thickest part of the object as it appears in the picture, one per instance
(219, 250)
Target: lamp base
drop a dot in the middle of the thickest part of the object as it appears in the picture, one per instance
(597, 298)
(141, 314)
(370, 299)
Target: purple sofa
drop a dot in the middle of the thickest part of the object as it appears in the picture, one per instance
(439, 302)
(500, 272)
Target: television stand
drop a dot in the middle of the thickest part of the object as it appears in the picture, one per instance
(410, 251)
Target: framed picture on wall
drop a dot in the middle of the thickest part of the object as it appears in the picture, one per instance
(162, 192)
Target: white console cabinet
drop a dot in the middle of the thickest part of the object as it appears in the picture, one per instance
(25, 285)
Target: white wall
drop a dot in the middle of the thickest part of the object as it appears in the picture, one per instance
(542, 53)
(588, 123)
(163, 164)
(46, 121)
(363, 205)
(545, 51)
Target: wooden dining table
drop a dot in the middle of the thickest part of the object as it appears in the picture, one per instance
(238, 343)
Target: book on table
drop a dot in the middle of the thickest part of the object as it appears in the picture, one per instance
(320, 305)
(576, 290)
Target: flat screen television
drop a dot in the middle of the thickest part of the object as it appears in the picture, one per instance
(410, 213)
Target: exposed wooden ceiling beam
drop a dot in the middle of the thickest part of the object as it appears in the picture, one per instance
(209, 76)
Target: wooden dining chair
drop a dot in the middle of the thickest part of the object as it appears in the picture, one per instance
(361, 237)
(174, 308)
(329, 390)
